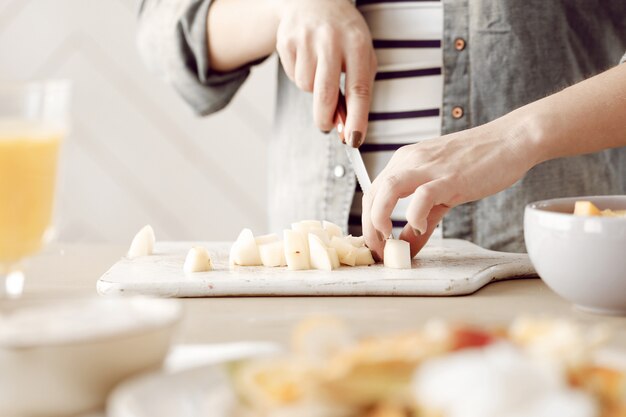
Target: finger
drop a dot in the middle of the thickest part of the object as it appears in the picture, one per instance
(372, 239)
(306, 63)
(325, 91)
(287, 54)
(360, 74)
(424, 198)
(417, 242)
(389, 189)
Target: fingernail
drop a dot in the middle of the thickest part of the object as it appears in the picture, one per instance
(326, 132)
(416, 232)
(356, 138)
(421, 228)
(380, 236)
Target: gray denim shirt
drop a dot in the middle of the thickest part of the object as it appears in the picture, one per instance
(516, 52)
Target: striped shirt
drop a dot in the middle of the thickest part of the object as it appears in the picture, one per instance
(511, 55)
(407, 94)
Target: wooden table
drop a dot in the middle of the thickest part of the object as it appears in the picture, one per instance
(72, 270)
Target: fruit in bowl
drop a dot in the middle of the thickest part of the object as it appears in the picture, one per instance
(578, 247)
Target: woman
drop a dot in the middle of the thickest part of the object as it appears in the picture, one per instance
(485, 64)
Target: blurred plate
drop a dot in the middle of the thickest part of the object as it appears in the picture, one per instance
(205, 391)
(196, 390)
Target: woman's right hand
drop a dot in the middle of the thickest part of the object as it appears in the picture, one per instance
(317, 40)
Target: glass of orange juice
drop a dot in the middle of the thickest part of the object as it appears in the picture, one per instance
(33, 123)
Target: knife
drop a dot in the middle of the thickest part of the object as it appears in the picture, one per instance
(354, 155)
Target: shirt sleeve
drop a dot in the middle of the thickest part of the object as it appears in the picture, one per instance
(623, 60)
(172, 41)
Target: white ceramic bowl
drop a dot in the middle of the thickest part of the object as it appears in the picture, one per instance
(63, 357)
(583, 259)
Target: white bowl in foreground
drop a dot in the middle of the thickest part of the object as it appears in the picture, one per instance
(63, 357)
(582, 258)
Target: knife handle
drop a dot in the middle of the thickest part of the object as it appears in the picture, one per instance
(340, 116)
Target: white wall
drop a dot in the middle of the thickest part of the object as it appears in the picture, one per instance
(137, 154)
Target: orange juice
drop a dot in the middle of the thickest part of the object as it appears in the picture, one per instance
(28, 165)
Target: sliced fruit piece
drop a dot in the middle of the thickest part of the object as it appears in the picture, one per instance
(586, 208)
(197, 260)
(613, 213)
(305, 226)
(363, 257)
(296, 250)
(334, 258)
(143, 243)
(345, 250)
(320, 257)
(245, 251)
(350, 258)
(397, 254)
(332, 229)
(356, 241)
(273, 254)
(322, 235)
(269, 238)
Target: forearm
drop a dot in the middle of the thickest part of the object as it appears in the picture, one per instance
(587, 117)
(241, 31)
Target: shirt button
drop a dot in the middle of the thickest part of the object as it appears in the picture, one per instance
(339, 171)
(459, 44)
(457, 112)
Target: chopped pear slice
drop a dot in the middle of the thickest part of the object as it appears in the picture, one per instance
(320, 257)
(586, 208)
(245, 251)
(334, 258)
(296, 250)
(363, 257)
(350, 258)
(322, 235)
(397, 254)
(273, 254)
(305, 226)
(263, 239)
(345, 250)
(332, 229)
(143, 243)
(197, 260)
(356, 241)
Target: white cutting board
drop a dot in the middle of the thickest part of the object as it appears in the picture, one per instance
(449, 267)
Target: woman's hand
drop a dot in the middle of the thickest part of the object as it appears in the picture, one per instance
(442, 173)
(317, 40)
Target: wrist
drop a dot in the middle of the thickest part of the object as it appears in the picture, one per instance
(528, 135)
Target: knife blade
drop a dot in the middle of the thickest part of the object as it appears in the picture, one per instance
(354, 155)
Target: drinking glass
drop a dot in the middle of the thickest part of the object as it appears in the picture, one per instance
(33, 124)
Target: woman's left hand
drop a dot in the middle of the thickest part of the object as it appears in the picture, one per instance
(442, 173)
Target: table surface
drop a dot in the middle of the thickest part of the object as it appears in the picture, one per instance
(71, 270)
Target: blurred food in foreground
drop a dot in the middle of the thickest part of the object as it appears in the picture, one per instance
(587, 208)
(534, 368)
